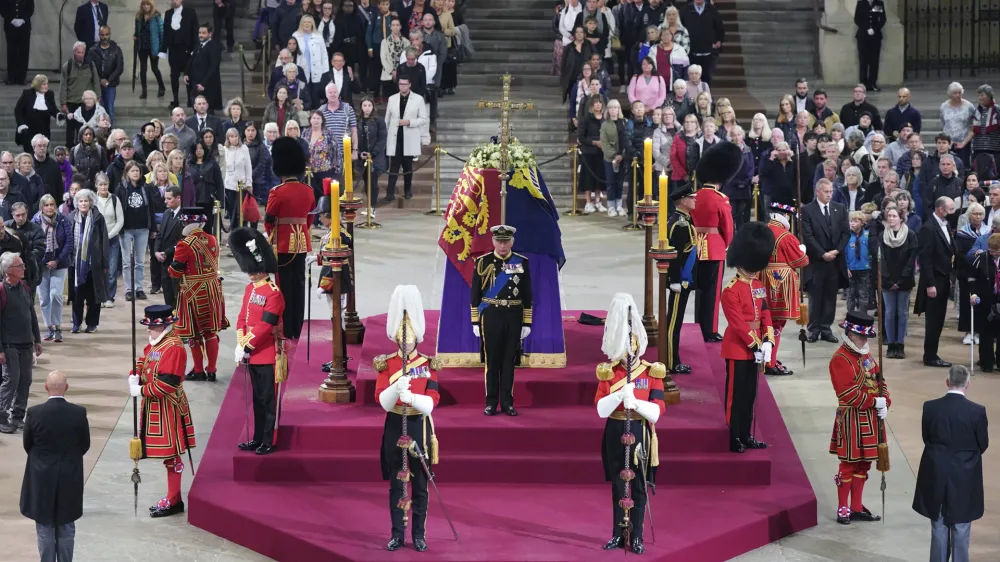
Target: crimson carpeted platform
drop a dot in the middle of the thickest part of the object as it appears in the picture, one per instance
(525, 488)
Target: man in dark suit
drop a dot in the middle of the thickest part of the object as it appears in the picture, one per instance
(170, 233)
(180, 37)
(935, 257)
(342, 76)
(801, 97)
(950, 479)
(56, 436)
(825, 233)
(203, 119)
(16, 16)
(203, 76)
(90, 16)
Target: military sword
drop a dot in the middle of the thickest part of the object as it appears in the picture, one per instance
(644, 457)
(416, 452)
(309, 308)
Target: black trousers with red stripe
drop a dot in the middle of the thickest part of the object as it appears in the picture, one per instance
(741, 392)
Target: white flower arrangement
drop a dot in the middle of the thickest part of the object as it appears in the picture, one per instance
(488, 156)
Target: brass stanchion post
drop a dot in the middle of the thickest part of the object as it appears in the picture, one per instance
(218, 220)
(575, 179)
(635, 197)
(437, 182)
(369, 224)
(239, 200)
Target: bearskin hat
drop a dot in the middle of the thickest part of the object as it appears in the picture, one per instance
(287, 158)
(252, 251)
(751, 247)
(719, 164)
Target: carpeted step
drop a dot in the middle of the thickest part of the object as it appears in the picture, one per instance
(569, 430)
(504, 467)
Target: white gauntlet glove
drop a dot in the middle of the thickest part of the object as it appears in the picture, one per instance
(766, 349)
(629, 402)
(133, 386)
(239, 354)
(675, 287)
(17, 22)
(880, 403)
(403, 384)
(310, 259)
(758, 357)
(475, 330)
(525, 332)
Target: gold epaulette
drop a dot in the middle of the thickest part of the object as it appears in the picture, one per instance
(730, 283)
(605, 371)
(381, 362)
(656, 370)
(435, 363)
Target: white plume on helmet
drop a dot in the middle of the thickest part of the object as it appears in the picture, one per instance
(405, 300)
(617, 338)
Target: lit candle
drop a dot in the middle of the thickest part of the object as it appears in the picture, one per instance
(647, 168)
(335, 213)
(348, 170)
(662, 215)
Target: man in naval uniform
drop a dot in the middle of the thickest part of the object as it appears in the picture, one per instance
(501, 315)
(407, 389)
(681, 274)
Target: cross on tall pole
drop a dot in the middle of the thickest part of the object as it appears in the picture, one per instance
(506, 107)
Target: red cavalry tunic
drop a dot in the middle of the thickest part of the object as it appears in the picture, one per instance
(648, 378)
(422, 368)
(201, 305)
(781, 275)
(286, 217)
(713, 221)
(856, 428)
(745, 307)
(259, 322)
(167, 429)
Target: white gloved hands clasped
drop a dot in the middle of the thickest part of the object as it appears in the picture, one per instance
(871, 32)
(133, 386)
(525, 332)
(17, 22)
(766, 348)
(475, 330)
(402, 384)
(630, 402)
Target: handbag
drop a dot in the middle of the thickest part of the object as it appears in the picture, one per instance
(251, 212)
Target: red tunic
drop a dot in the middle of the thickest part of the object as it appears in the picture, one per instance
(856, 428)
(648, 379)
(166, 428)
(201, 304)
(745, 307)
(781, 275)
(423, 369)
(286, 217)
(259, 323)
(713, 221)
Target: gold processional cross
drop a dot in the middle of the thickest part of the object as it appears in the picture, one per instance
(505, 106)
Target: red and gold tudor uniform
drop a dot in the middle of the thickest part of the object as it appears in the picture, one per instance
(713, 222)
(423, 373)
(166, 430)
(781, 277)
(648, 378)
(286, 220)
(857, 429)
(201, 304)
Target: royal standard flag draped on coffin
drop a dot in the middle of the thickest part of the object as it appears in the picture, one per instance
(473, 209)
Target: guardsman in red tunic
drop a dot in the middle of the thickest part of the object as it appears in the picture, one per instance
(407, 389)
(166, 430)
(749, 337)
(630, 397)
(713, 223)
(781, 278)
(862, 407)
(286, 220)
(201, 304)
(259, 342)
